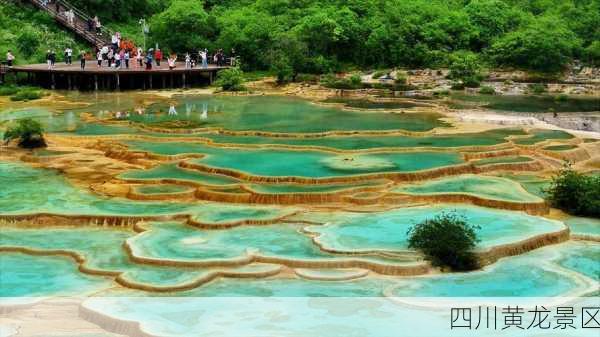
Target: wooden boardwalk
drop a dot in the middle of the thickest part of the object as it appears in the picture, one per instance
(63, 76)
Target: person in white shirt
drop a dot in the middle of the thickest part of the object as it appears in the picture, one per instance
(10, 58)
(99, 58)
(117, 60)
(139, 56)
(68, 55)
(188, 61)
(172, 111)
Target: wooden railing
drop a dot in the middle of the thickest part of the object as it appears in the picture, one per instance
(57, 8)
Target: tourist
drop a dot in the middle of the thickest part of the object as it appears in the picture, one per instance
(232, 57)
(149, 59)
(111, 57)
(115, 41)
(71, 17)
(98, 25)
(68, 56)
(45, 3)
(91, 25)
(126, 57)
(10, 58)
(139, 57)
(204, 114)
(158, 56)
(49, 59)
(172, 111)
(82, 60)
(171, 60)
(204, 57)
(104, 52)
(117, 60)
(188, 61)
(99, 58)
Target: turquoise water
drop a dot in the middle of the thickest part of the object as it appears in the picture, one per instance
(582, 257)
(180, 242)
(388, 230)
(542, 135)
(323, 188)
(160, 189)
(560, 147)
(589, 226)
(312, 164)
(172, 171)
(486, 138)
(533, 184)
(502, 160)
(293, 287)
(27, 190)
(280, 114)
(519, 276)
(26, 275)
(101, 247)
(528, 103)
(482, 186)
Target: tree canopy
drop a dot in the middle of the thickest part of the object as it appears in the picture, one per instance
(324, 35)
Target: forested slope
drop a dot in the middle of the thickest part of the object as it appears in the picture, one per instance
(320, 36)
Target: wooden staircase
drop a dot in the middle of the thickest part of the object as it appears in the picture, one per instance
(57, 8)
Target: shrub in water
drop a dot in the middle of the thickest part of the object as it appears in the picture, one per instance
(487, 90)
(574, 192)
(537, 88)
(8, 90)
(231, 79)
(29, 133)
(26, 94)
(446, 240)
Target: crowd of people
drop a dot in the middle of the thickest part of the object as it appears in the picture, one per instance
(117, 55)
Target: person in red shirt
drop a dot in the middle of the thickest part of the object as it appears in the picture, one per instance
(158, 56)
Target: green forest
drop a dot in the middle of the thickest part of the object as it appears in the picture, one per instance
(310, 36)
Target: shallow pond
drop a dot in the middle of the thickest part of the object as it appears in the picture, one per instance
(528, 103)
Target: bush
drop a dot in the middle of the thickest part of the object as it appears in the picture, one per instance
(308, 78)
(537, 88)
(377, 74)
(441, 93)
(231, 79)
(356, 80)
(27, 94)
(400, 79)
(487, 90)
(465, 67)
(561, 98)
(446, 240)
(28, 131)
(8, 90)
(457, 86)
(574, 192)
(330, 81)
(282, 68)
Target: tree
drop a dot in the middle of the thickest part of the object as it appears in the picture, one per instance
(28, 131)
(465, 67)
(592, 53)
(491, 18)
(231, 79)
(447, 240)
(545, 45)
(28, 41)
(288, 57)
(574, 192)
(182, 27)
